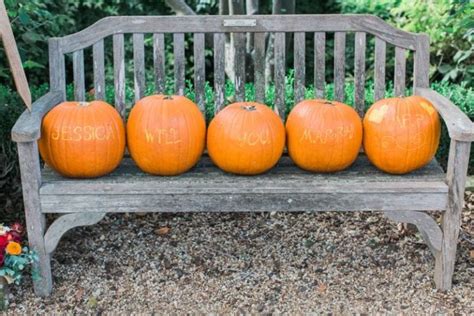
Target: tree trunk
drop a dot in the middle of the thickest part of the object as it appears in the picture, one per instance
(236, 7)
(278, 7)
(269, 60)
(223, 7)
(285, 7)
(251, 9)
(180, 7)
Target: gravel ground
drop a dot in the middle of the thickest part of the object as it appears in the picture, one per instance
(238, 263)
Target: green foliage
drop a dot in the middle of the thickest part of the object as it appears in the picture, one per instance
(34, 21)
(11, 107)
(450, 27)
(449, 24)
(14, 266)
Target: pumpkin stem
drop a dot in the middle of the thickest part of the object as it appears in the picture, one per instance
(328, 102)
(83, 103)
(168, 97)
(249, 108)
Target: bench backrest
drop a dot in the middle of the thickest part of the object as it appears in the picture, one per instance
(317, 25)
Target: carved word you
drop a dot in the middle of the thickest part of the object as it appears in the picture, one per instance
(252, 139)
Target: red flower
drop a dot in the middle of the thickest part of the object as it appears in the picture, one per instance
(3, 242)
(14, 236)
(17, 227)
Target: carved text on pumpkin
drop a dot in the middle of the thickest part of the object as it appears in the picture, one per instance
(83, 133)
(254, 138)
(323, 136)
(165, 136)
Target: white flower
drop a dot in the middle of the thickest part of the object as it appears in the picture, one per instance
(4, 230)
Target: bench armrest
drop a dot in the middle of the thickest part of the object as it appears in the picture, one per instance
(28, 126)
(459, 125)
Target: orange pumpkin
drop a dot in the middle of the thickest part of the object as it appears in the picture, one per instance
(323, 136)
(82, 139)
(401, 134)
(166, 134)
(246, 138)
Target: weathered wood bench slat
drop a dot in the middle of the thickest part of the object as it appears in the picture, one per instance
(243, 202)
(239, 65)
(28, 126)
(78, 75)
(319, 64)
(421, 76)
(57, 68)
(99, 70)
(339, 65)
(359, 72)
(361, 179)
(215, 24)
(459, 126)
(199, 71)
(400, 71)
(119, 73)
(299, 65)
(280, 72)
(361, 168)
(379, 71)
(159, 62)
(219, 71)
(285, 167)
(259, 67)
(361, 187)
(178, 50)
(139, 65)
(222, 185)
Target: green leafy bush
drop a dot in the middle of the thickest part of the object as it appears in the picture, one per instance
(34, 21)
(449, 24)
(11, 107)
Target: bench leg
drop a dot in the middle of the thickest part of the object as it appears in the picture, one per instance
(456, 179)
(66, 222)
(427, 226)
(35, 220)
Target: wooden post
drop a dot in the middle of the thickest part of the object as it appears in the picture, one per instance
(456, 179)
(35, 220)
(11, 50)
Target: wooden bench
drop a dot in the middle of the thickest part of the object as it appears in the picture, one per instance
(206, 188)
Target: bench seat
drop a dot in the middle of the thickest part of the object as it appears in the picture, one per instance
(284, 188)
